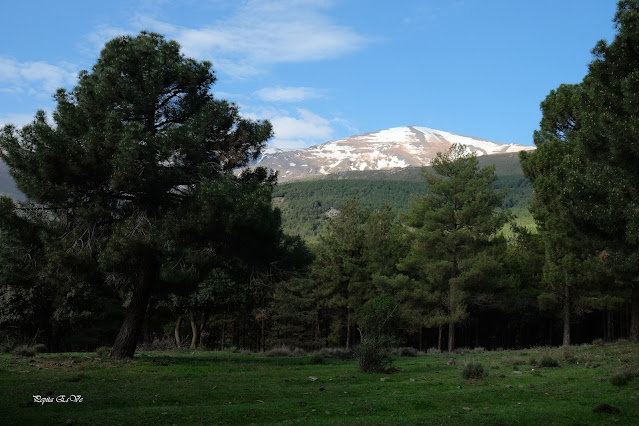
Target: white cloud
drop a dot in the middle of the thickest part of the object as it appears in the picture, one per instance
(307, 126)
(17, 120)
(287, 94)
(35, 78)
(346, 124)
(258, 33)
(102, 34)
(297, 130)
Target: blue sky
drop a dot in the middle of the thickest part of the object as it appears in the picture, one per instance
(325, 69)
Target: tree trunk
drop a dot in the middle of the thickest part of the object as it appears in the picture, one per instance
(451, 336)
(178, 324)
(195, 332)
(127, 339)
(610, 324)
(452, 307)
(223, 331)
(439, 338)
(205, 318)
(566, 316)
(634, 322)
(348, 331)
(317, 336)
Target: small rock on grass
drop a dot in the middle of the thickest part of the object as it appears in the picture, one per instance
(466, 408)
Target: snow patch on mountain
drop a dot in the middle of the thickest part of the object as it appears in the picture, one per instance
(383, 149)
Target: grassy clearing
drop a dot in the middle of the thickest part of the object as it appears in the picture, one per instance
(231, 388)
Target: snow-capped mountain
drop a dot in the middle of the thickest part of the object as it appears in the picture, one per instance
(383, 149)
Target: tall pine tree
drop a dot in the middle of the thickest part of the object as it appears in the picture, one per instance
(453, 230)
(140, 137)
(595, 126)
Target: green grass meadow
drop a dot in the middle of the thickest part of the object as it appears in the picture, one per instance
(191, 388)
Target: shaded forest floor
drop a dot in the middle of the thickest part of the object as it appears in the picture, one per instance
(184, 387)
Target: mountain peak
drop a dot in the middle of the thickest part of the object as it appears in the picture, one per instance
(380, 150)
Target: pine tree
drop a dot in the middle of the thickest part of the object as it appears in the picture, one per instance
(593, 128)
(453, 230)
(139, 138)
(339, 270)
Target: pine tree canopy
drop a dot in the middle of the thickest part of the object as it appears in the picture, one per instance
(137, 145)
(585, 170)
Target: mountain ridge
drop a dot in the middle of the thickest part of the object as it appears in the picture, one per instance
(385, 149)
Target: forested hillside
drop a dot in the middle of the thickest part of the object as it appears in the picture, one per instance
(307, 205)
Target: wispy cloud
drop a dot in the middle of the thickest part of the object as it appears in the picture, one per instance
(295, 130)
(256, 34)
(95, 41)
(34, 78)
(287, 94)
(17, 120)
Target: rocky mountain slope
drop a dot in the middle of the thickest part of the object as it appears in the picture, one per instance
(380, 150)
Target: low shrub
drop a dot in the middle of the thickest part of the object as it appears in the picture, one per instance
(337, 353)
(569, 357)
(619, 379)
(103, 351)
(406, 352)
(24, 350)
(433, 351)
(624, 376)
(473, 370)
(39, 348)
(317, 358)
(548, 361)
(514, 361)
(374, 355)
(158, 343)
(279, 351)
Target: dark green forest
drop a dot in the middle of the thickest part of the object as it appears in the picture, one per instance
(142, 225)
(307, 205)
